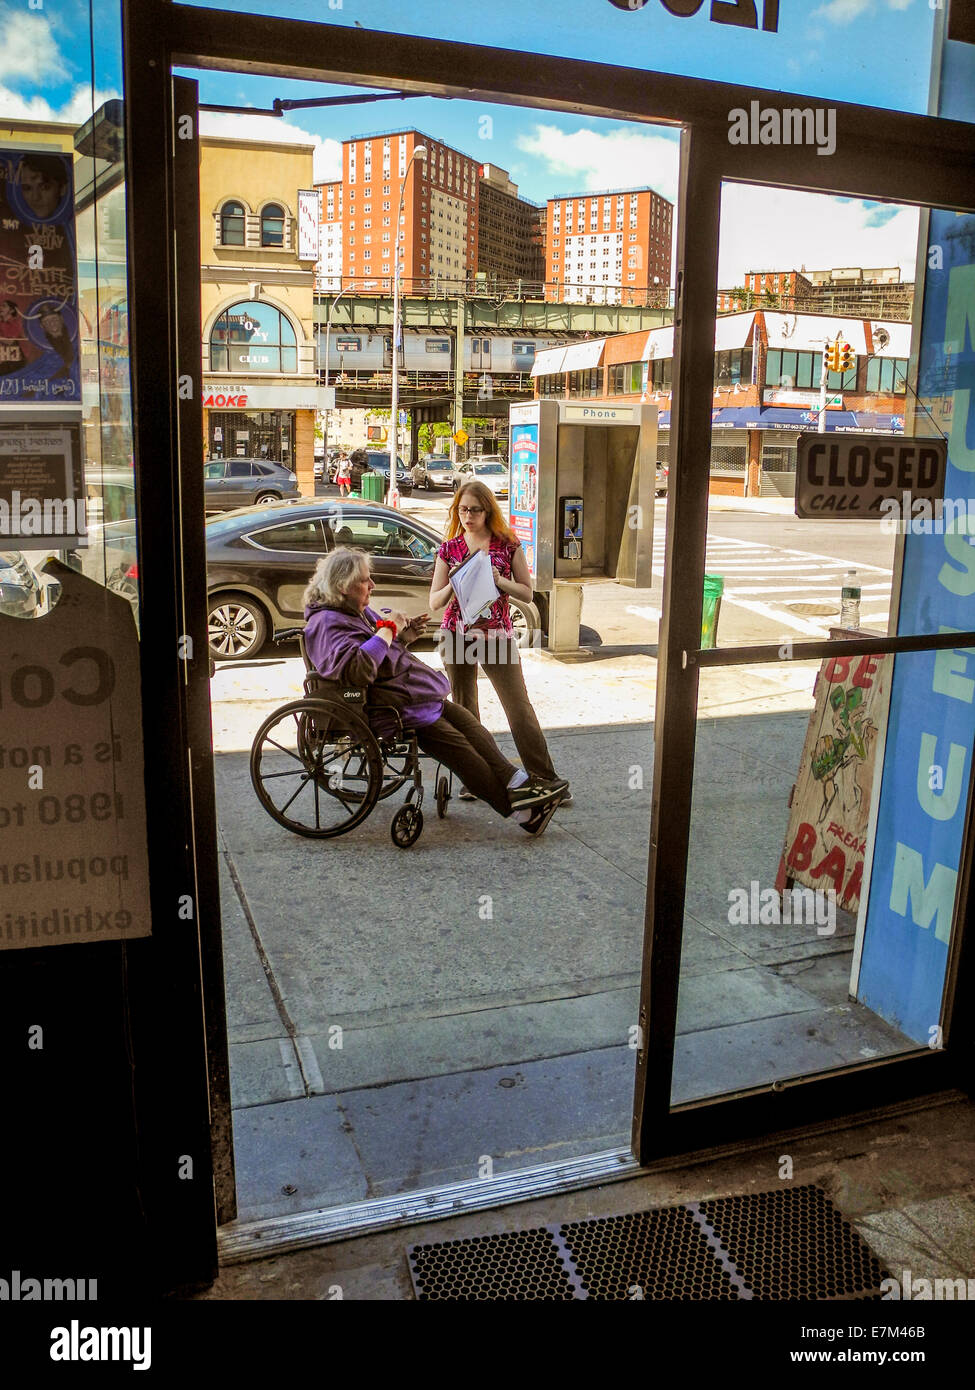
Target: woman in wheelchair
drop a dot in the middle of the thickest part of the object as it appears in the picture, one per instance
(347, 640)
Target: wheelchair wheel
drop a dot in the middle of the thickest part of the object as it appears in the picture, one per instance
(443, 796)
(406, 827)
(316, 768)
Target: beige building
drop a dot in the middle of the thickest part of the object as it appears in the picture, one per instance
(260, 383)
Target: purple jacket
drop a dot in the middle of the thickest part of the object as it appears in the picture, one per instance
(343, 645)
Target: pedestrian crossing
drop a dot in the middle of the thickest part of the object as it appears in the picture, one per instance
(767, 581)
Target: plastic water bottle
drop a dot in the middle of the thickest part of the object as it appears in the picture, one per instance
(850, 601)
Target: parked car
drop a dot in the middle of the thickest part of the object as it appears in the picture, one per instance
(438, 472)
(21, 592)
(491, 470)
(241, 482)
(662, 474)
(318, 467)
(378, 460)
(259, 562)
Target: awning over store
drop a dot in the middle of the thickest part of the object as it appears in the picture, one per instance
(782, 418)
(659, 345)
(809, 332)
(580, 357)
(549, 362)
(891, 339)
(733, 331)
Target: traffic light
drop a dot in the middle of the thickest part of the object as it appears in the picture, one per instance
(847, 358)
(831, 357)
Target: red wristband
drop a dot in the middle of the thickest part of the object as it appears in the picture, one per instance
(387, 622)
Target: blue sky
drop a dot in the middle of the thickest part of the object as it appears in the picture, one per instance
(871, 51)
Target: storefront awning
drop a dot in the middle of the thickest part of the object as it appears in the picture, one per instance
(549, 362)
(733, 331)
(891, 339)
(575, 357)
(782, 418)
(659, 344)
(580, 357)
(808, 332)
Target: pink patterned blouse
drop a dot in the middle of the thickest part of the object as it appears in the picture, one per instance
(501, 553)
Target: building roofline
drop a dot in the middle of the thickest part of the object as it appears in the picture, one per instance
(297, 145)
(604, 193)
(411, 130)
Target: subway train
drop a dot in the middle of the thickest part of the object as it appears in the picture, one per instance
(359, 351)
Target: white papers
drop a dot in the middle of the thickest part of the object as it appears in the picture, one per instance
(474, 586)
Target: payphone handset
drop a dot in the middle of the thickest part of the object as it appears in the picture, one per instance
(570, 515)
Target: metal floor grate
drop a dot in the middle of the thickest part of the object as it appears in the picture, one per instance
(791, 1243)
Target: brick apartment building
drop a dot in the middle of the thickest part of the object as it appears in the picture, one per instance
(608, 248)
(509, 246)
(359, 215)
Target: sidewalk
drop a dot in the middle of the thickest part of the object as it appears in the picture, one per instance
(396, 1015)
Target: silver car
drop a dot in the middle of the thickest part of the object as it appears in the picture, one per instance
(490, 469)
(438, 472)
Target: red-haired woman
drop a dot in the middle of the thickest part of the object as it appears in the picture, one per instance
(475, 522)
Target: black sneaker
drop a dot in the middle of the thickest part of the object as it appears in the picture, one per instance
(555, 784)
(528, 796)
(539, 819)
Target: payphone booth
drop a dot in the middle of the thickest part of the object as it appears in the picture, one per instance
(581, 500)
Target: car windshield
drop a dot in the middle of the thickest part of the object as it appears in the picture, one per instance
(490, 468)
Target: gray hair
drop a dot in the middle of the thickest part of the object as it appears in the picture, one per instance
(333, 575)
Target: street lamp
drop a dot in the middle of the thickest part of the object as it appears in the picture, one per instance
(419, 152)
(328, 333)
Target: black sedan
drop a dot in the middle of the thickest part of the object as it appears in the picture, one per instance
(260, 560)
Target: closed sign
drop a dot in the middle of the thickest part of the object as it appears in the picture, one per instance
(863, 475)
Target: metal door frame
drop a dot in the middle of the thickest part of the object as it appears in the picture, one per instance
(879, 154)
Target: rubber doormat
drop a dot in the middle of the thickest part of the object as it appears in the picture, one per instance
(788, 1244)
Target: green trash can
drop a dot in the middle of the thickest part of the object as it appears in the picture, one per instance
(713, 589)
(373, 487)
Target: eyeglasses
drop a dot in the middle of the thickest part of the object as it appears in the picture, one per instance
(471, 511)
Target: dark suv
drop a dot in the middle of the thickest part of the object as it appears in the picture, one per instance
(240, 482)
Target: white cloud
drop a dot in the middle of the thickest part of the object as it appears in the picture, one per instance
(328, 153)
(782, 229)
(75, 111)
(845, 11)
(28, 51)
(591, 159)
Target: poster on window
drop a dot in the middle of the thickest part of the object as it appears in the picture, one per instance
(38, 280)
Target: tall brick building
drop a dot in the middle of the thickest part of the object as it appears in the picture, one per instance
(608, 248)
(359, 214)
(508, 247)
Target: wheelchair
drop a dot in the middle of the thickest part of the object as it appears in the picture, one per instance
(319, 769)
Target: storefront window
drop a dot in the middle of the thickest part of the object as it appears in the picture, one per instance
(887, 374)
(253, 337)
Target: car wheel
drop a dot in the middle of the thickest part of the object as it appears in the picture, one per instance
(237, 627)
(266, 497)
(525, 623)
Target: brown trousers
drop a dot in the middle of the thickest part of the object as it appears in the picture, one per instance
(501, 661)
